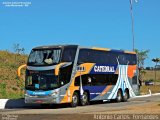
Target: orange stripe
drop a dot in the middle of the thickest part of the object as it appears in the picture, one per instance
(129, 52)
(106, 90)
(103, 49)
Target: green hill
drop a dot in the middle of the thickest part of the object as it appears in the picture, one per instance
(10, 85)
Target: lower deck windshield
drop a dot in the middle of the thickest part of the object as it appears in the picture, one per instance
(41, 82)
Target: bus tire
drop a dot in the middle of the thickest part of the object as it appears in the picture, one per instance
(119, 96)
(85, 99)
(75, 100)
(126, 96)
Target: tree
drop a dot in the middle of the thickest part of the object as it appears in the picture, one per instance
(17, 49)
(156, 60)
(142, 74)
(141, 56)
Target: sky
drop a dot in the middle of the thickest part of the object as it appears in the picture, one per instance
(98, 23)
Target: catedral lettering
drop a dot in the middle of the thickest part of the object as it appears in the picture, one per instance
(104, 69)
(56, 74)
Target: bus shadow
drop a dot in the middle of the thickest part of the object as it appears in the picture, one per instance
(14, 103)
(20, 104)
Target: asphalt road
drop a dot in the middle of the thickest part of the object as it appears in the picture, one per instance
(94, 107)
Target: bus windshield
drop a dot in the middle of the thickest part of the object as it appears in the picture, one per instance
(41, 82)
(44, 57)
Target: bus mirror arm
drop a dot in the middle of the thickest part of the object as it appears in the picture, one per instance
(19, 70)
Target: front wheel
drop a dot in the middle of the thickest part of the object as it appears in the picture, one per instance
(85, 99)
(119, 96)
(75, 100)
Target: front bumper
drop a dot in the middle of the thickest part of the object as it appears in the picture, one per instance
(41, 99)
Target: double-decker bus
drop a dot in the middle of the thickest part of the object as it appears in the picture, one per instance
(77, 75)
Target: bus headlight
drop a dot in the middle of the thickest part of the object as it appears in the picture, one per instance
(26, 94)
(55, 93)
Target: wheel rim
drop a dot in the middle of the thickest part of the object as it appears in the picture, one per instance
(125, 95)
(75, 100)
(119, 96)
(84, 98)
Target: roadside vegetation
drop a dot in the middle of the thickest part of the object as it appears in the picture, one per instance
(149, 75)
(10, 85)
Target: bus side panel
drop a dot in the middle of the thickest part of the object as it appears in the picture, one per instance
(103, 95)
(123, 82)
(94, 91)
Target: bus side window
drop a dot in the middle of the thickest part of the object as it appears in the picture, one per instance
(77, 81)
(86, 80)
(129, 59)
(134, 80)
(65, 74)
(113, 79)
(112, 58)
(69, 54)
(83, 56)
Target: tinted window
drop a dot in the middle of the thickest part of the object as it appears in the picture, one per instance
(97, 80)
(41, 80)
(134, 80)
(106, 57)
(69, 54)
(97, 56)
(127, 59)
(65, 74)
(112, 58)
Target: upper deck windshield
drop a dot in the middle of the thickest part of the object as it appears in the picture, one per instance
(44, 57)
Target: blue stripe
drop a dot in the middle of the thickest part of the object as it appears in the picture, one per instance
(39, 93)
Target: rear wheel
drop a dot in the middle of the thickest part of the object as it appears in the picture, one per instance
(85, 99)
(126, 96)
(75, 100)
(119, 96)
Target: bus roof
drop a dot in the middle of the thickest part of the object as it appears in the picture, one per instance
(114, 50)
(54, 46)
(94, 48)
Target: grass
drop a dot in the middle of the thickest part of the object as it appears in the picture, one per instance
(145, 89)
(3, 89)
(150, 75)
(10, 85)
